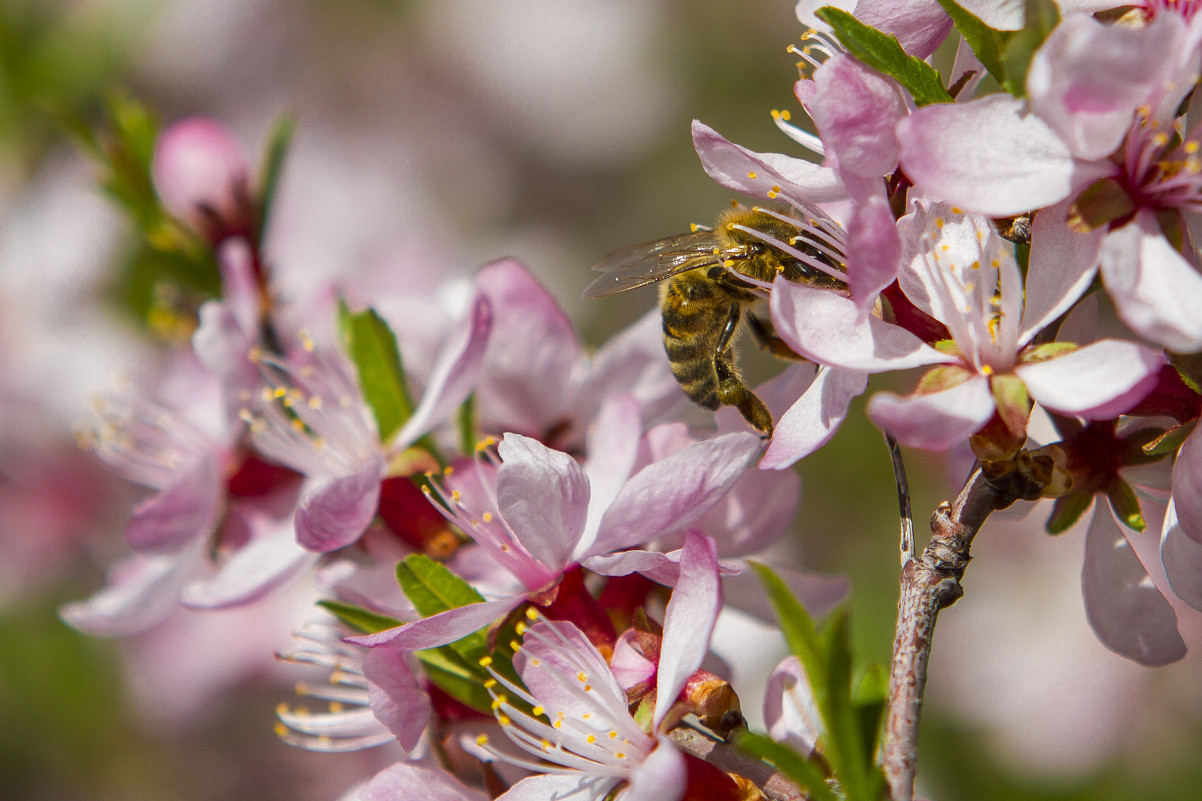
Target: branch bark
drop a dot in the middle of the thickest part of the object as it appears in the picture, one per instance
(929, 584)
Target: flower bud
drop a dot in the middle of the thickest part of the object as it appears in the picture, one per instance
(201, 175)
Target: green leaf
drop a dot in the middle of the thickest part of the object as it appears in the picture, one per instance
(466, 423)
(985, 42)
(460, 678)
(278, 144)
(851, 757)
(869, 698)
(359, 619)
(1020, 46)
(431, 586)
(801, 771)
(372, 348)
(796, 625)
(884, 53)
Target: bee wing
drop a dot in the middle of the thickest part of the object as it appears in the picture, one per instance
(639, 265)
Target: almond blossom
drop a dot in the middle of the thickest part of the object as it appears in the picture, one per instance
(964, 275)
(1100, 129)
(540, 513)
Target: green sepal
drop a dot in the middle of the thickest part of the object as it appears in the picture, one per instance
(884, 53)
(1126, 505)
(1189, 368)
(359, 619)
(1067, 510)
(1012, 401)
(942, 377)
(986, 43)
(372, 348)
(278, 144)
(431, 586)
(1047, 351)
(1170, 441)
(800, 770)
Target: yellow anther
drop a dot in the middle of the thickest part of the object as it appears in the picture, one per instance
(546, 744)
(620, 755)
(280, 392)
(591, 739)
(280, 730)
(588, 688)
(446, 471)
(486, 517)
(485, 661)
(538, 710)
(558, 724)
(536, 662)
(520, 628)
(1191, 146)
(582, 677)
(281, 708)
(752, 175)
(315, 403)
(499, 701)
(490, 683)
(503, 720)
(455, 496)
(515, 645)
(336, 706)
(482, 739)
(531, 613)
(613, 735)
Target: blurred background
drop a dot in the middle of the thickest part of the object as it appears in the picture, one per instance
(433, 137)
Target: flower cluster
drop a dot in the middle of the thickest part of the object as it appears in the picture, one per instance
(523, 543)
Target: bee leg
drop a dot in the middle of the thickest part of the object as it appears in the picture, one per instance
(766, 337)
(731, 389)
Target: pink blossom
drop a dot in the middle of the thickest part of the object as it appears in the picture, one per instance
(590, 738)
(201, 174)
(1100, 129)
(540, 513)
(963, 274)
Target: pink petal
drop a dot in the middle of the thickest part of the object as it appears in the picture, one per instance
(396, 698)
(1062, 266)
(1126, 610)
(856, 109)
(141, 592)
(919, 25)
(628, 664)
(613, 449)
(790, 711)
(1181, 557)
(1087, 79)
(987, 156)
(262, 565)
(1001, 15)
(1097, 382)
(443, 628)
(672, 492)
(336, 512)
(935, 421)
(829, 329)
(661, 777)
(406, 781)
(795, 180)
(182, 512)
(1187, 487)
(688, 621)
(1156, 291)
(634, 360)
(549, 655)
(453, 376)
(543, 495)
(573, 786)
(814, 418)
(531, 354)
(755, 513)
(873, 249)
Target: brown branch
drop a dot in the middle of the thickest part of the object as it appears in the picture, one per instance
(726, 757)
(929, 583)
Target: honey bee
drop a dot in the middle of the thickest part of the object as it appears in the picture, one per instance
(704, 303)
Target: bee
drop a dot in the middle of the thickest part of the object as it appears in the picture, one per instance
(704, 303)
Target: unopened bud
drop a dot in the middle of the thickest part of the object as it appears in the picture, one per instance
(201, 175)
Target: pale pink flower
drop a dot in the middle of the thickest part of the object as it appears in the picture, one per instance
(964, 275)
(202, 176)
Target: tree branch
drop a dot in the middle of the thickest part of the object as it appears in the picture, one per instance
(724, 756)
(929, 584)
